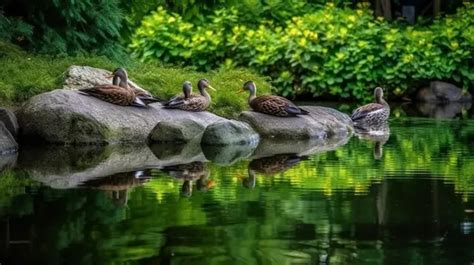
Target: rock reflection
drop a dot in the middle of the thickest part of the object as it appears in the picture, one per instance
(270, 166)
(443, 111)
(117, 186)
(188, 173)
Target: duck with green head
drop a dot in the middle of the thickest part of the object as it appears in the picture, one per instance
(190, 101)
(118, 93)
(372, 114)
(271, 105)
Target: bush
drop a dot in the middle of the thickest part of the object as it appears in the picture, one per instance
(66, 27)
(329, 52)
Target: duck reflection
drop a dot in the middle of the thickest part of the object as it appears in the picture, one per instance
(270, 166)
(379, 135)
(188, 173)
(118, 185)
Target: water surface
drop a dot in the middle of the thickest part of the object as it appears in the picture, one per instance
(403, 199)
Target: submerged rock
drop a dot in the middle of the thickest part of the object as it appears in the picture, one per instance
(321, 123)
(442, 92)
(229, 132)
(68, 117)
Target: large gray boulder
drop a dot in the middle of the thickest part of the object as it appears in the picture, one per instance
(321, 123)
(85, 76)
(68, 117)
(177, 131)
(9, 119)
(7, 141)
(229, 132)
(442, 92)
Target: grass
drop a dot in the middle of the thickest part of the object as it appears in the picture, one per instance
(24, 75)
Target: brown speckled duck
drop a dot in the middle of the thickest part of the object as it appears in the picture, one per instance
(272, 105)
(374, 113)
(118, 95)
(143, 95)
(191, 101)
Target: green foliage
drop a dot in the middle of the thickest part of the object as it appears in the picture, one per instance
(14, 30)
(24, 75)
(68, 27)
(328, 52)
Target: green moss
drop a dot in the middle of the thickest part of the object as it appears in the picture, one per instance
(24, 75)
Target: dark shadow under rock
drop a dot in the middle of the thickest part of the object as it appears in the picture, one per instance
(173, 154)
(271, 147)
(228, 154)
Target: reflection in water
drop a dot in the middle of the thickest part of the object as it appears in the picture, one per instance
(117, 186)
(338, 206)
(195, 171)
(379, 135)
(270, 166)
(440, 110)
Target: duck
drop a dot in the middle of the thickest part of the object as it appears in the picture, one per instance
(119, 95)
(270, 166)
(177, 99)
(191, 101)
(372, 114)
(270, 104)
(143, 95)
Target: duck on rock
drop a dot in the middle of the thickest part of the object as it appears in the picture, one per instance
(191, 101)
(121, 94)
(269, 104)
(143, 95)
(372, 114)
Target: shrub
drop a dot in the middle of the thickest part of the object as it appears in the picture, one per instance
(67, 27)
(329, 52)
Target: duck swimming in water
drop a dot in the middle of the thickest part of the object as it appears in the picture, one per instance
(119, 95)
(269, 104)
(372, 114)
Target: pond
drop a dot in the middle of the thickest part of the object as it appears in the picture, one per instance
(404, 199)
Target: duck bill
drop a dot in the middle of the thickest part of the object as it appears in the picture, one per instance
(241, 91)
(213, 89)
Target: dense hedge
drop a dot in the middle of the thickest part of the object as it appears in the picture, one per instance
(332, 51)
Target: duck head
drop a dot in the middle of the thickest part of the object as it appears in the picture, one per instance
(203, 84)
(378, 94)
(120, 77)
(187, 88)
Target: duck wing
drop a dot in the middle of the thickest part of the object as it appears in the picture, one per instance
(110, 93)
(363, 111)
(275, 105)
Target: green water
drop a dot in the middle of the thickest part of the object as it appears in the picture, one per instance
(405, 200)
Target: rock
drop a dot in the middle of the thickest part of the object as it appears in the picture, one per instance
(7, 141)
(85, 76)
(10, 121)
(321, 123)
(228, 154)
(8, 161)
(178, 131)
(68, 117)
(442, 92)
(443, 111)
(229, 132)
